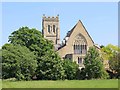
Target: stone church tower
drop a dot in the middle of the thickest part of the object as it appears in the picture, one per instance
(51, 29)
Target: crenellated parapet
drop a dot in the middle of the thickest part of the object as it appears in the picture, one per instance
(53, 18)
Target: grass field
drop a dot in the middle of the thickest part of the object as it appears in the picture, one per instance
(61, 84)
(0, 84)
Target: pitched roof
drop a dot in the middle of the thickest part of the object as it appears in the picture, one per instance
(70, 32)
(87, 31)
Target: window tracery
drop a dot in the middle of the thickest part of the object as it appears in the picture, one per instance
(80, 45)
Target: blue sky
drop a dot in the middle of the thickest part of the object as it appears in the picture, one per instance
(100, 19)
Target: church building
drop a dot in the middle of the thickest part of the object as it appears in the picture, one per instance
(75, 44)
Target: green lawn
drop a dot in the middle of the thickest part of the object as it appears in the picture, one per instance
(61, 84)
(0, 84)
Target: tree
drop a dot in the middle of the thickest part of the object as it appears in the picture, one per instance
(50, 67)
(32, 39)
(25, 37)
(0, 63)
(94, 65)
(18, 62)
(71, 69)
(114, 64)
(109, 51)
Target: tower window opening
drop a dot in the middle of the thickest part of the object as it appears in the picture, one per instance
(49, 28)
(54, 28)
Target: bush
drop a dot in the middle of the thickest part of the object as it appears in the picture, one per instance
(50, 67)
(71, 69)
(81, 74)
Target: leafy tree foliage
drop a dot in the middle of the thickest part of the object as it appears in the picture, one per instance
(114, 64)
(93, 65)
(71, 69)
(50, 67)
(32, 39)
(109, 51)
(18, 62)
(49, 63)
(25, 36)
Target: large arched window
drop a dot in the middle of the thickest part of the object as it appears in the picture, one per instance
(80, 45)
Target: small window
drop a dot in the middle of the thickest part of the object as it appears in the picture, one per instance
(54, 28)
(85, 47)
(79, 60)
(49, 28)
